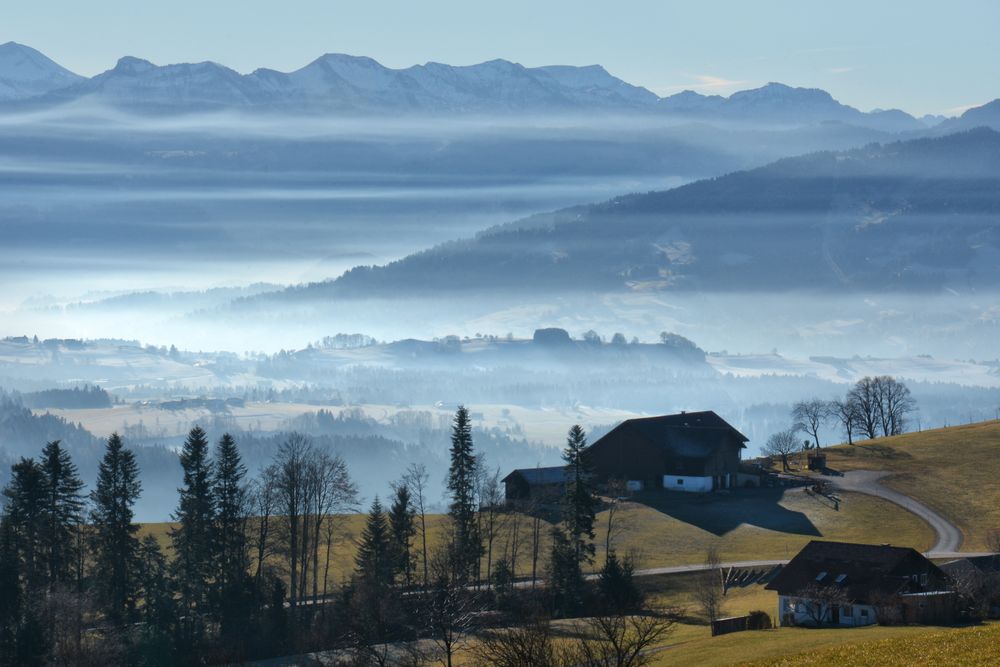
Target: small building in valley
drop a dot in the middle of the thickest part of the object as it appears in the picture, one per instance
(690, 451)
(838, 584)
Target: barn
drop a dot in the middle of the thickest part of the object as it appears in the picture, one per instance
(543, 485)
(694, 452)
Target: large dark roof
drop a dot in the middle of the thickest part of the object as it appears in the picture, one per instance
(693, 435)
(533, 476)
(861, 569)
(706, 419)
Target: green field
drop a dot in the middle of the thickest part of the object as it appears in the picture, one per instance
(953, 470)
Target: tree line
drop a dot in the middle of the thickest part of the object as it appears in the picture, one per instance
(244, 569)
(874, 407)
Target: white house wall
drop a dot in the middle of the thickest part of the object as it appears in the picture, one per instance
(796, 609)
(689, 484)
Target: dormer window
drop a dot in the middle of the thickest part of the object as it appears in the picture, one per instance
(841, 578)
(821, 576)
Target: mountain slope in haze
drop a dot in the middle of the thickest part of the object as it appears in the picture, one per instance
(915, 215)
(353, 84)
(987, 115)
(26, 73)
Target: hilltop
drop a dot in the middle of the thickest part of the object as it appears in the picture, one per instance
(912, 215)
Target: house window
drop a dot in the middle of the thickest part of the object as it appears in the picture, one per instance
(847, 610)
(864, 613)
(821, 576)
(680, 482)
(841, 578)
(923, 579)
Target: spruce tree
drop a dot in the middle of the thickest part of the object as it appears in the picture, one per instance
(193, 538)
(230, 513)
(566, 583)
(402, 527)
(11, 598)
(115, 547)
(374, 558)
(580, 500)
(63, 513)
(26, 495)
(159, 611)
(233, 594)
(466, 544)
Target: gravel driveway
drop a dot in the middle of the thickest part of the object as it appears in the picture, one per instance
(949, 537)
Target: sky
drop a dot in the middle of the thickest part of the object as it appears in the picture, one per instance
(920, 56)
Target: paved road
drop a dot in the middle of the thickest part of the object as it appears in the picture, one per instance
(949, 537)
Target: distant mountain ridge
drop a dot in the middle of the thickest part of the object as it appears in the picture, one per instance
(915, 215)
(26, 73)
(341, 83)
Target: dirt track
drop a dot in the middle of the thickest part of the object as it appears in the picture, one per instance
(949, 537)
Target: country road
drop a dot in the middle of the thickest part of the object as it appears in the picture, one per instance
(949, 537)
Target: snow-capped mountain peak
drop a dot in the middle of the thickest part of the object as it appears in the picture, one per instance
(25, 72)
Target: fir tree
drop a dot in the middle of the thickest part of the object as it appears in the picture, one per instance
(580, 501)
(402, 527)
(466, 545)
(63, 513)
(193, 538)
(115, 547)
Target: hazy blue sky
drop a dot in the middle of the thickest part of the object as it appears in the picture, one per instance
(921, 56)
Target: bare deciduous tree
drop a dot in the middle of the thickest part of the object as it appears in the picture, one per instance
(782, 444)
(883, 403)
(810, 416)
(615, 526)
(490, 508)
(450, 610)
(263, 498)
(526, 645)
(896, 402)
(819, 601)
(622, 640)
(708, 586)
(848, 414)
(415, 479)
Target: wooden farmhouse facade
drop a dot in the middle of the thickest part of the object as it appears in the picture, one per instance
(839, 584)
(694, 452)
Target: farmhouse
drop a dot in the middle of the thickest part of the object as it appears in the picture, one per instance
(690, 451)
(843, 584)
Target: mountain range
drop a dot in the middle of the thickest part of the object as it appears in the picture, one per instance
(337, 83)
(904, 216)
